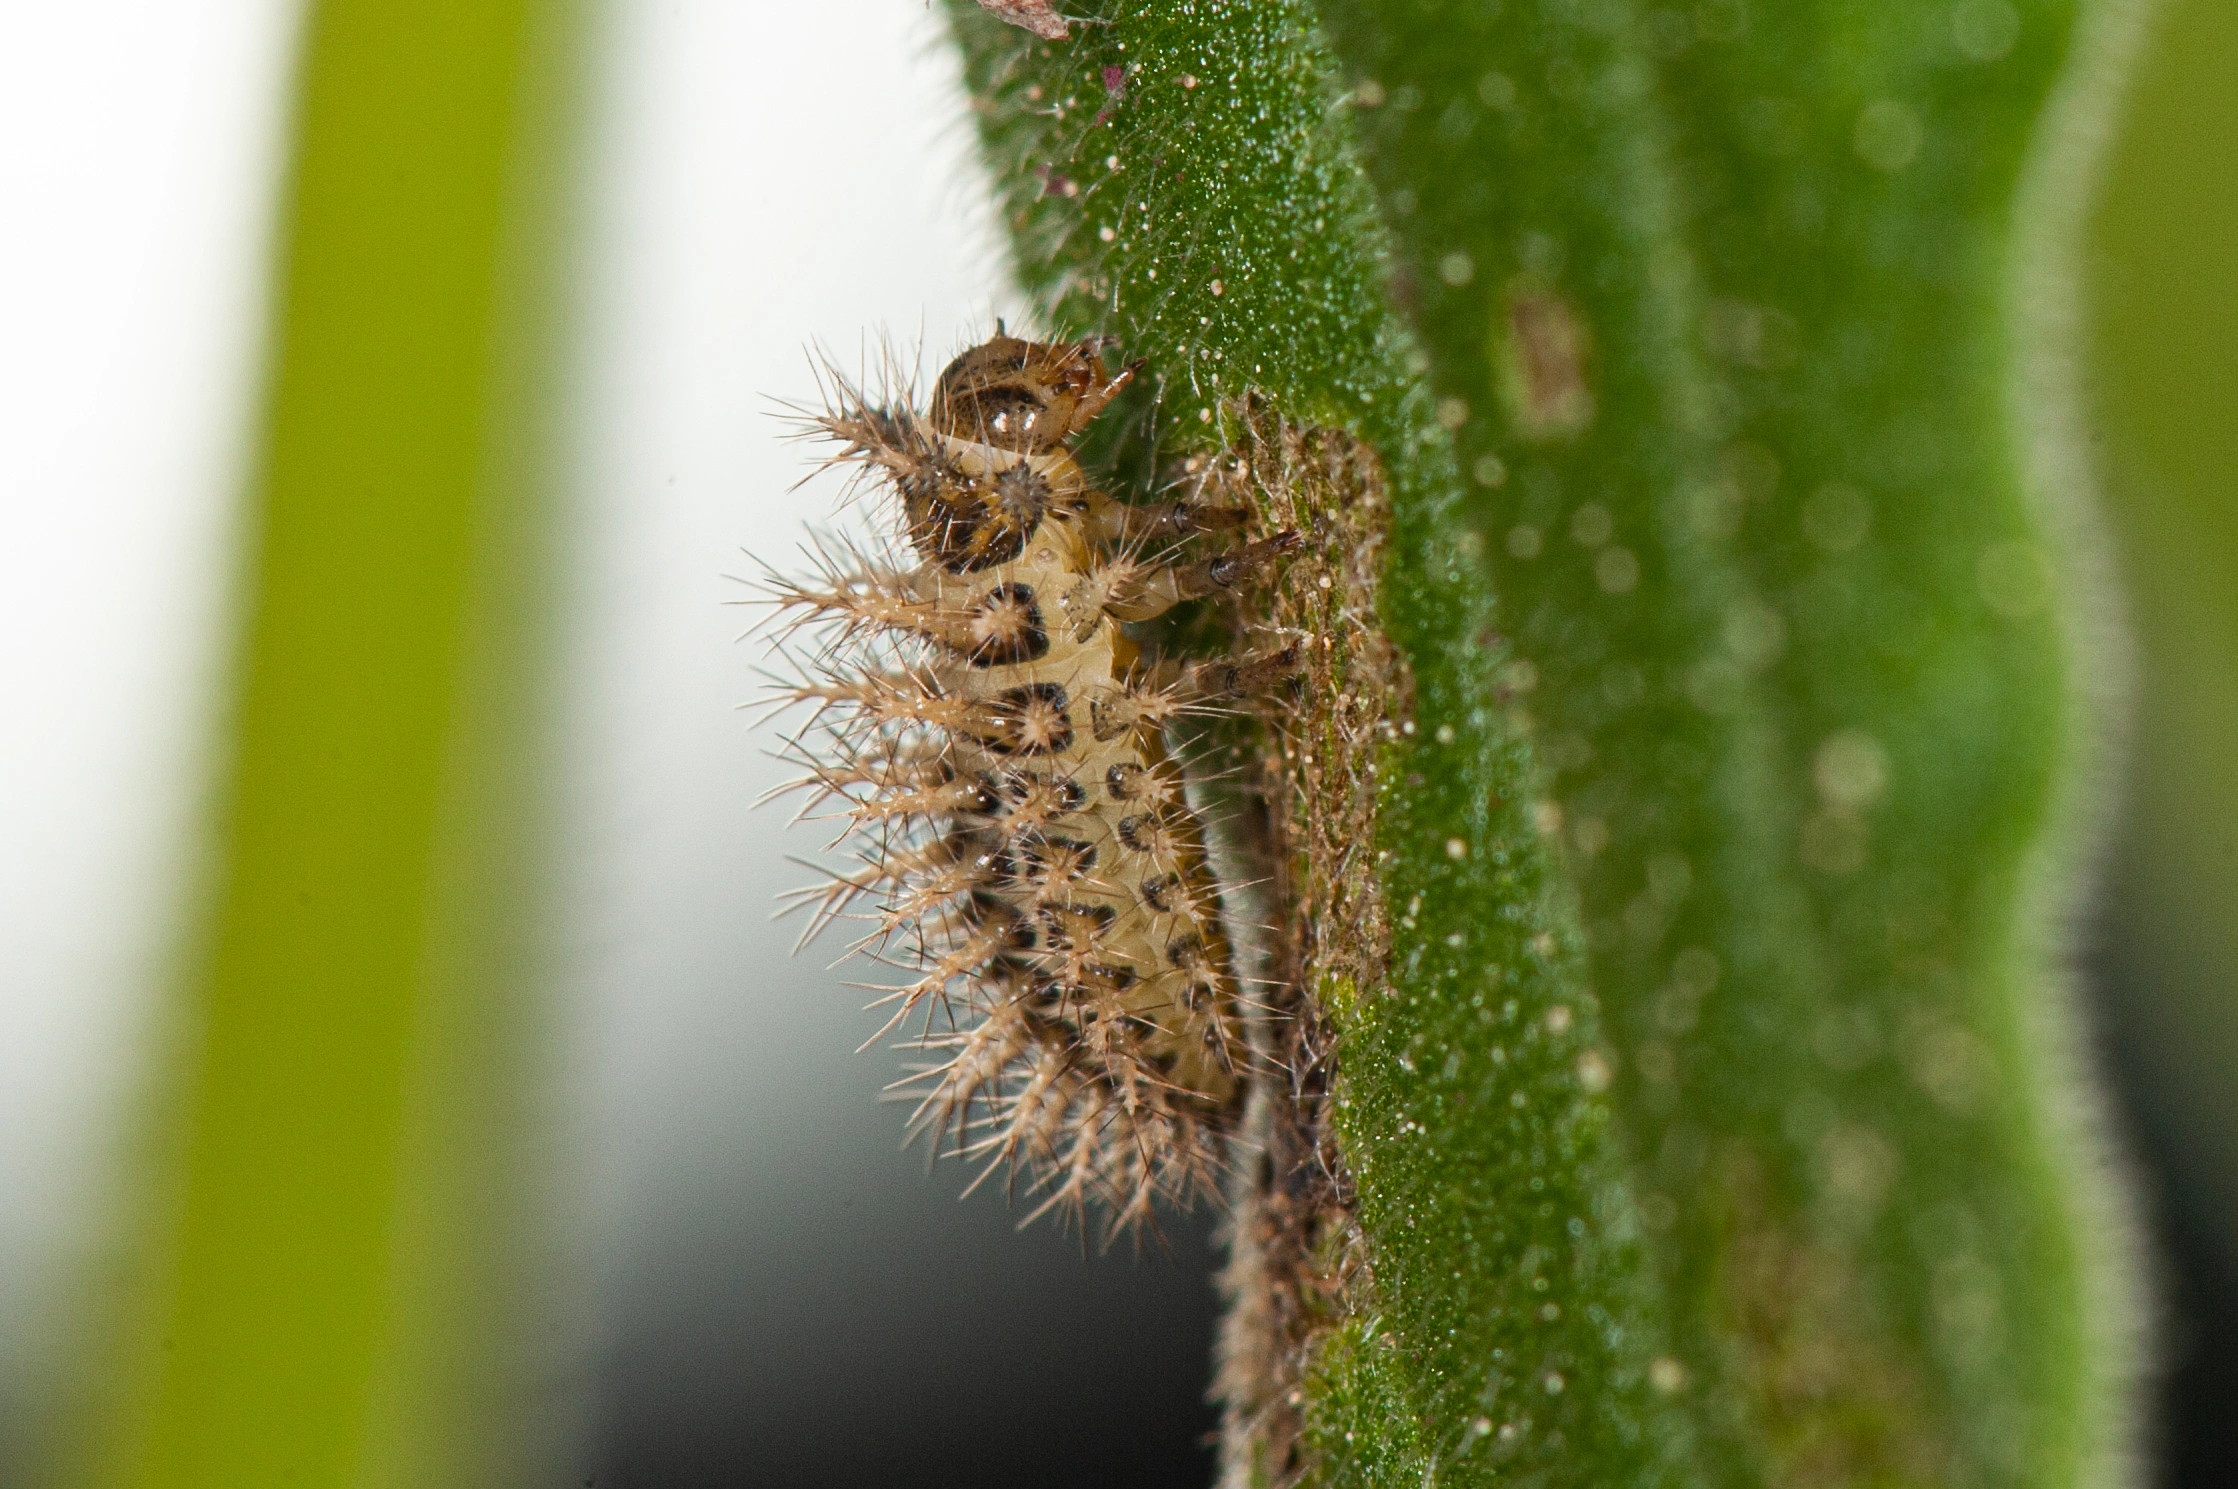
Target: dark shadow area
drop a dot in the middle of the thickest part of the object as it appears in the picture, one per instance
(2192, 1407)
(932, 1345)
(2198, 1399)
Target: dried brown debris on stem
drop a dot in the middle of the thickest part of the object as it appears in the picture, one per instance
(1037, 16)
(1295, 1255)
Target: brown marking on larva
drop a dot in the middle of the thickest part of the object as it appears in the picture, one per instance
(1028, 802)
(1155, 835)
(1055, 862)
(970, 525)
(1015, 767)
(1014, 931)
(1006, 628)
(1075, 927)
(1188, 953)
(1115, 979)
(1542, 353)
(1031, 719)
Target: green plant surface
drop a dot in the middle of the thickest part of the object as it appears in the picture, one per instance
(1800, 678)
(325, 1266)
(1511, 1322)
(1721, 312)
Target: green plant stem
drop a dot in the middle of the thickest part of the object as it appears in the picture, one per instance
(1718, 310)
(1184, 179)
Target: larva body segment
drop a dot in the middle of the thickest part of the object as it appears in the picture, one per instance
(1000, 743)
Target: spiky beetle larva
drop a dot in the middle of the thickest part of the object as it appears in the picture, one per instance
(999, 743)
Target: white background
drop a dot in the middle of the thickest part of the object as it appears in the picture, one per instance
(139, 150)
(763, 176)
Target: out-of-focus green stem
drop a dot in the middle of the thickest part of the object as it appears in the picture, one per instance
(323, 1299)
(1798, 666)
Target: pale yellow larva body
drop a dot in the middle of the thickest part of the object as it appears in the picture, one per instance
(1143, 861)
(1036, 872)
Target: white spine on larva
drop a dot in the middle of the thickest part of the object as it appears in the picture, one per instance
(997, 746)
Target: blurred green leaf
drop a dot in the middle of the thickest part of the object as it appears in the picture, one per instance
(327, 1264)
(2164, 343)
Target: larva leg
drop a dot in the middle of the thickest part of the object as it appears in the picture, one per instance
(1091, 393)
(1154, 695)
(1152, 592)
(1118, 524)
(1222, 679)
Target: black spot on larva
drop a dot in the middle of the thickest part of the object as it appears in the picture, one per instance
(975, 794)
(1111, 715)
(1140, 1028)
(1022, 788)
(1010, 978)
(1186, 952)
(1014, 931)
(1158, 892)
(1124, 781)
(1076, 926)
(1057, 857)
(966, 524)
(958, 846)
(998, 861)
(1149, 832)
(1028, 720)
(1006, 628)
(1216, 1041)
(1113, 977)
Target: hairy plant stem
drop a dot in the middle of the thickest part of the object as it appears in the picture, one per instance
(1686, 334)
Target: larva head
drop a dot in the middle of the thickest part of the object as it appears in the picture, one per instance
(1002, 413)
(1028, 396)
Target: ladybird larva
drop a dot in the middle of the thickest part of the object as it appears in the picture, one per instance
(998, 744)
